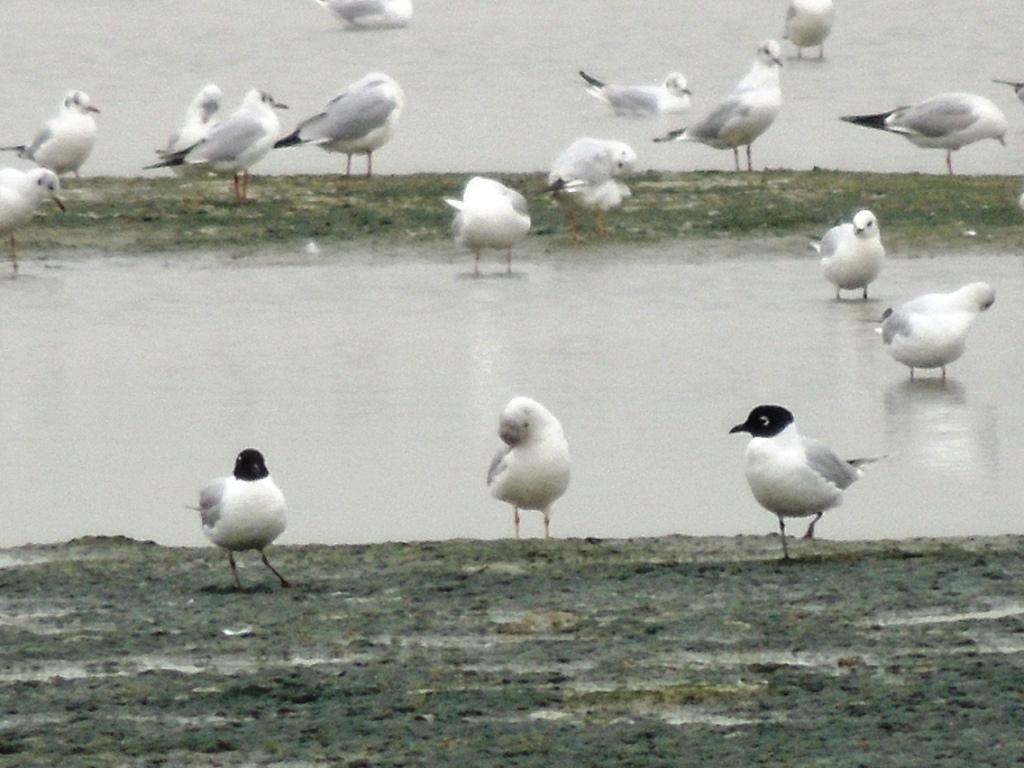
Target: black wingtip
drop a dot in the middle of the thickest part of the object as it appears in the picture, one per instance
(555, 186)
(15, 148)
(288, 141)
(591, 80)
(868, 121)
(670, 136)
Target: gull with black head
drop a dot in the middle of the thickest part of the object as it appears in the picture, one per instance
(791, 475)
(244, 511)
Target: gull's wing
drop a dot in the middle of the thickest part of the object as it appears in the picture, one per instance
(349, 115)
(209, 501)
(497, 464)
(228, 140)
(934, 117)
(824, 461)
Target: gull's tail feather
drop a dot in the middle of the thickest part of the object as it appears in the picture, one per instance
(861, 464)
(675, 135)
(168, 160)
(561, 185)
(291, 139)
(456, 204)
(814, 241)
(19, 148)
(593, 81)
(869, 121)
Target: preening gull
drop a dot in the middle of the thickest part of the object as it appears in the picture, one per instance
(66, 139)
(357, 121)
(808, 23)
(371, 14)
(931, 330)
(948, 121)
(744, 114)
(237, 143)
(196, 125)
(490, 215)
(532, 470)
(852, 252)
(584, 177)
(21, 192)
(244, 511)
(791, 475)
(671, 97)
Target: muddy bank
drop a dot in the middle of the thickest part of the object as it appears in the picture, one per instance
(671, 651)
(918, 213)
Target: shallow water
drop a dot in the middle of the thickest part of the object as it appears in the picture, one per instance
(372, 382)
(494, 86)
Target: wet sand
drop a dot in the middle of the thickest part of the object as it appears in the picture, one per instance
(667, 651)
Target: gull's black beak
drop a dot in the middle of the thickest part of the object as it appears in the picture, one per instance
(739, 428)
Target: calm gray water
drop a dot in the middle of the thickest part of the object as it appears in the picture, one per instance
(373, 383)
(493, 85)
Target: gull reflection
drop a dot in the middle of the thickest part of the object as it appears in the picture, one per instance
(930, 422)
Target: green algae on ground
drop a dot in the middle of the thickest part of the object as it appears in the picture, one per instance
(674, 651)
(142, 215)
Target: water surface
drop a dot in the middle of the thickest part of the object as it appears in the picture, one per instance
(372, 381)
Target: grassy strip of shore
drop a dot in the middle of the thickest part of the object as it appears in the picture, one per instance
(918, 213)
(675, 651)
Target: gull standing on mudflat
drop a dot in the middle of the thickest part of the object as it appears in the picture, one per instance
(852, 252)
(745, 113)
(21, 192)
(931, 330)
(244, 511)
(490, 215)
(195, 127)
(1018, 88)
(791, 475)
(583, 177)
(808, 23)
(948, 121)
(66, 139)
(371, 14)
(357, 121)
(532, 470)
(669, 98)
(237, 143)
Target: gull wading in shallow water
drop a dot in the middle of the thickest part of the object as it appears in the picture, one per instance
(236, 144)
(67, 138)
(791, 475)
(851, 253)
(490, 215)
(21, 192)
(371, 14)
(357, 121)
(195, 127)
(244, 511)
(808, 23)
(745, 113)
(532, 470)
(583, 178)
(931, 330)
(669, 98)
(948, 121)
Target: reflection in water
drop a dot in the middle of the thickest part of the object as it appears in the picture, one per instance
(929, 421)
